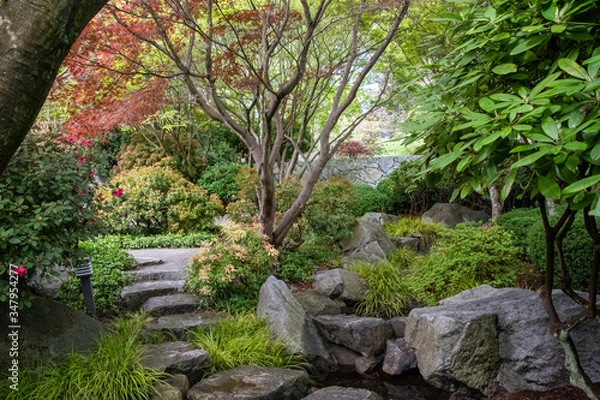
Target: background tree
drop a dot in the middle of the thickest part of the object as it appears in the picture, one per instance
(263, 70)
(520, 90)
(36, 37)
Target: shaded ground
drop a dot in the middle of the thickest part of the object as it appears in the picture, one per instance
(567, 393)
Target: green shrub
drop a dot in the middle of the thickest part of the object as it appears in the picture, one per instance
(519, 222)
(46, 204)
(328, 212)
(368, 199)
(229, 271)
(244, 208)
(220, 180)
(109, 263)
(406, 226)
(156, 199)
(244, 340)
(167, 240)
(388, 294)
(578, 249)
(113, 371)
(296, 266)
(463, 258)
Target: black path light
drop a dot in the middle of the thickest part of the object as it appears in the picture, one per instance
(84, 272)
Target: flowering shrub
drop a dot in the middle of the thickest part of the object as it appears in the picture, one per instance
(156, 199)
(463, 258)
(46, 203)
(229, 271)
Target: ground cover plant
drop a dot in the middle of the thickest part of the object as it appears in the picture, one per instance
(242, 340)
(427, 231)
(463, 258)
(112, 372)
(166, 240)
(110, 264)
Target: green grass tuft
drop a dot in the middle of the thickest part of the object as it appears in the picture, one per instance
(429, 231)
(244, 340)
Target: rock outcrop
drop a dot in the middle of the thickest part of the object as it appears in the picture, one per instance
(451, 214)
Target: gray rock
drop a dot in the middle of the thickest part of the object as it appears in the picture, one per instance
(132, 297)
(48, 331)
(179, 324)
(288, 320)
(342, 355)
(487, 337)
(50, 283)
(164, 391)
(176, 358)
(250, 382)
(398, 325)
(179, 382)
(399, 357)
(364, 233)
(340, 393)
(341, 283)
(179, 303)
(380, 218)
(364, 335)
(451, 214)
(410, 243)
(367, 365)
(315, 303)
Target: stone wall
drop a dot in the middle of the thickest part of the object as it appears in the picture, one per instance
(369, 170)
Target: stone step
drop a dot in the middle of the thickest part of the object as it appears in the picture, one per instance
(179, 303)
(133, 296)
(179, 324)
(144, 261)
(159, 273)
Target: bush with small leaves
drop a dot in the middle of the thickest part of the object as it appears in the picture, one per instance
(156, 199)
(229, 271)
(220, 179)
(466, 257)
(369, 199)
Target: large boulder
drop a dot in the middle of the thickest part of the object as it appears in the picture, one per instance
(177, 358)
(399, 357)
(368, 242)
(47, 330)
(341, 283)
(288, 320)
(250, 382)
(485, 338)
(380, 218)
(49, 284)
(315, 303)
(451, 214)
(365, 335)
(340, 393)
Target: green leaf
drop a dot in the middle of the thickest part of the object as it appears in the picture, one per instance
(572, 68)
(550, 13)
(530, 159)
(557, 28)
(581, 185)
(505, 69)
(595, 153)
(576, 146)
(525, 45)
(550, 128)
(548, 187)
(445, 160)
(508, 182)
(486, 104)
(575, 119)
(500, 36)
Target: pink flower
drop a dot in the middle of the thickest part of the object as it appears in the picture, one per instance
(87, 143)
(117, 192)
(100, 198)
(81, 159)
(19, 271)
(92, 174)
(71, 139)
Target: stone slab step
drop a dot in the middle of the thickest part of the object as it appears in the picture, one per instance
(144, 261)
(158, 273)
(133, 296)
(179, 324)
(179, 303)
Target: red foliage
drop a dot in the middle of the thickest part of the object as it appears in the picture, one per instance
(353, 148)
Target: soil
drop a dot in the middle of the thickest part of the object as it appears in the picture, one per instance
(566, 393)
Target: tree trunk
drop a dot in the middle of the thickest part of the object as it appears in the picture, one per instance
(497, 202)
(36, 37)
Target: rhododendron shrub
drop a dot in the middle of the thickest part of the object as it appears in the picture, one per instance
(154, 200)
(46, 204)
(229, 271)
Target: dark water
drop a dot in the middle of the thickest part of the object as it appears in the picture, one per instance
(408, 386)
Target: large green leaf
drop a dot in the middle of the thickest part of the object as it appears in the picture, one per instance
(550, 127)
(572, 68)
(445, 160)
(505, 69)
(527, 44)
(581, 185)
(530, 159)
(595, 153)
(548, 187)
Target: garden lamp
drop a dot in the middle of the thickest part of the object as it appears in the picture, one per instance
(84, 272)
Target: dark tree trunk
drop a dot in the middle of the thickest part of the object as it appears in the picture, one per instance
(36, 37)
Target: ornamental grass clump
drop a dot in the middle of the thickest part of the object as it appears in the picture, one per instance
(406, 226)
(466, 257)
(112, 372)
(229, 271)
(244, 340)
